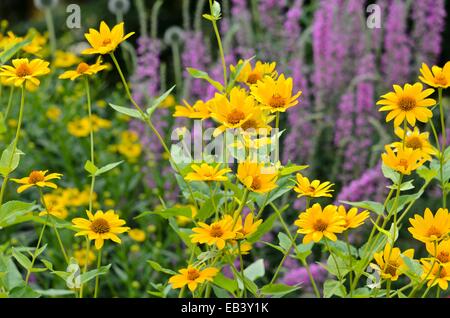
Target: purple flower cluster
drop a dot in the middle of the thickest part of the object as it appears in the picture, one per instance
(298, 275)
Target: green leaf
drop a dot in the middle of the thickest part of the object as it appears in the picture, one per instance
(426, 173)
(342, 265)
(170, 212)
(107, 168)
(408, 185)
(414, 268)
(255, 270)
(55, 292)
(285, 241)
(94, 273)
(8, 161)
(207, 208)
(90, 167)
(390, 173)
(303, 250)
(265, 227)
(12, 210)
(10, 51)
(23, 291)
(203, 75)
(21, 259)
(158, 101)
(288, 170)
(216, 10)
(367, 205)
(127, 111)
(208, 17)
(278, 290)
(161, 269)
(333, 287)
(226, 283)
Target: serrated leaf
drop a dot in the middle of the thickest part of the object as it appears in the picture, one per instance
(127, 111)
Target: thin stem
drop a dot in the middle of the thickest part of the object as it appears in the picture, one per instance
(86, 261)
(91, 137)
(97, 279)
(51, 30)
(219, 43)
(10, 98)
(261, 209)
(443, 146)
(241, 265)
(388, 288)
(334, 259)
(33, 258)
(347, 241)
(285, 255)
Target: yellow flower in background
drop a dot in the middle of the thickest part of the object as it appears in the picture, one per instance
(37, 43)
(100, 227)
(352, 218)
(218, 233)
(389, 262)
(79, 127)
(245, 249)
(184, 220)
(437, 76)
(233, 112)
(257, 123)
(275, 95)
(76, 198)
(129, 137)
(57, 210)
(247, 227)
(137, 235)
(83, 69)
(131, 151)
(169, 101)
(200, 110)
(105, 40)
(403, 160)
(430, 228)
(37, 178)
(53, 113)
(81, 256)
(25, 72)
(416, 140)
(410, 103)
(256, 177)
(65, 59)
(440, 251)
(251, 76)
(98, 122)
(192, 277)
(436, 274)
(205, 172)
(316, 223)
(314, 189)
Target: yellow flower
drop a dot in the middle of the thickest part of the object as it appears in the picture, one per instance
(317, 223)
(218, 233)
(430, 228)
(410, 103)
(184, 220)
(436, 274)
(403, 160)
(352, 218)
(251, 76)
(200, 110)
(234, 112)
(100, 227)
(79, 127)
(24, 72)
(192, 277)
(440, 251)
(248, 227)
(169, 101)
(256, 177)
(137, 235)
(416, 140)
(437, 76)
(275, 95)
(65, 59)
(83, 69)
(390, 263)
(81, 255)
(57, 210)
(98, 122)
(314, 189)
(105, 40)
(205, 172)
(131, 151)
(129, 136)
(37, 178)
(36, 44)
(53, 113)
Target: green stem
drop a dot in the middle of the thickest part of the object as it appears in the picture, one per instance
(285, 255)
(388, 288)
(347, 241)
(241, 265)
(443, 146)
(33, 258)
(219, 43)
(10, 98)
(97, 279)
(86, 261)
(334, 259)
(91, 139)
(51, 30)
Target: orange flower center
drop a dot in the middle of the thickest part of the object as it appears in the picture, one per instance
(443, 272)
(441, 80)
(403, 163)
(249, 124)
(277, 101)
(235, 117)
(256, 183)
(192, 274)
(443, 257)
(391, 268)
(311, 189)
(100, 226)
(23, 70)
(414, 143)
(320, 225)
(216, 231)
(35, 177)
(253, 78)
(82, 67)
(407, 103)
(433, 231)
(106, 42)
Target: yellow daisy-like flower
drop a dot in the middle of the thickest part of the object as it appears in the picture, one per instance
(440, 251)
(275, 95)
(57, 210)
(137, 235)
(218, 233)
(248, 227)
(436, 274)
(251, 76)
(352, 218)
(79, 127)
(205, 172)
(234, 112)
(105, 40)
(192, 277)
(200, 110)
(25, 72)
(65, 59)
(410, 103)
(53, 113)
(129, 150)
(314, 189)
(403, 160)
(37, 178)
(100, 227)
(83, 69)
(98, 122)
(430, 228)
(256, 177)
(316, 223)
(390, 263)
(81, 256)
(437, 76)
(416, 140)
